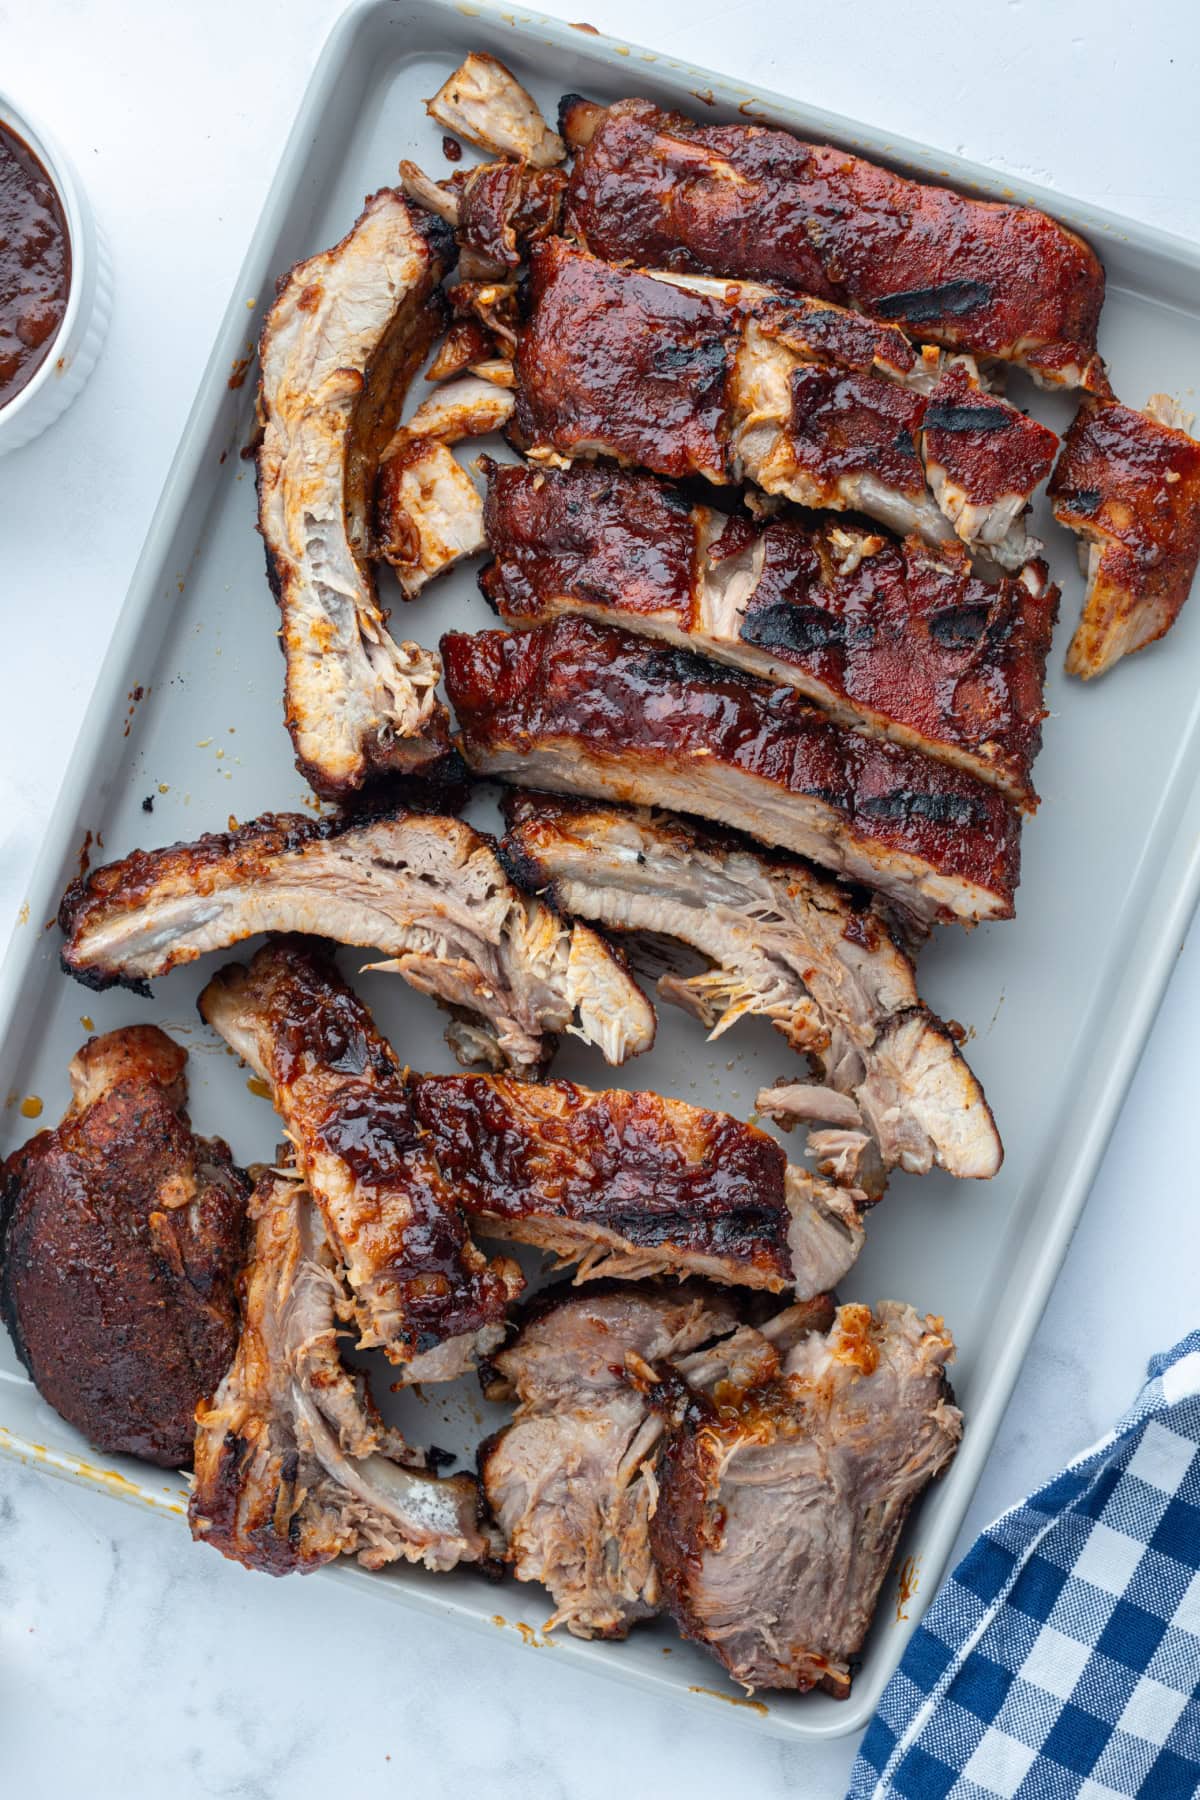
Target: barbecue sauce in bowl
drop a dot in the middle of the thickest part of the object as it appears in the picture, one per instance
(35, 264)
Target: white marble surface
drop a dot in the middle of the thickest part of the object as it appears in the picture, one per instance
(128, 1663)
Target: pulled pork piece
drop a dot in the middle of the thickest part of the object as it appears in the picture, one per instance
(485, 103)
(583, 708)
(428, 891)
(571, 1481)
(428, 513)
(121, 1235)
(417, 1280)
(1128, 483)
(294, 1467)
(811, 403)
(470, 407)
(1001, 280)
(894, 639)
(815, 958)
(349, 329)
(635, 1185)
(779, 1510)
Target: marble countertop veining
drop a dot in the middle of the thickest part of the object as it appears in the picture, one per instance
(129, 1663)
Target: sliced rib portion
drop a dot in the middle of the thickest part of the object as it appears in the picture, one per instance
(428, 513)
(896, 639)
(808, 401)
(636, 1185)
(1002, 280)
(779, 1511)
(349, 329)
(293, 1464)
(582, 708)
(484, 102)
(784, 943)
(428, 891)
(416, 1279)
(121, 1235)
(1128, 483)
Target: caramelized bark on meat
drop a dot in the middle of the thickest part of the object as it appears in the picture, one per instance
(505, 208)
(582, 708)
(347, 332)
(418, 1281)
(634, 1184)
(615, 363)
(1128, 483)
(893, 638)
(428, 891)
(294, 1466)
(121, 1235)
(1002, 280)
(692, 377)
(784, 943)
(779, 1510)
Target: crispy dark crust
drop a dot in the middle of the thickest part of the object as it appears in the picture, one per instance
(340, 1090)
(908, 644)
(985, 445)
(615, 359)
(218, 856)
(1131, 486)
(121, 1235)
(625, 709)
(504, 208)
(640, 1171)
(998, 279)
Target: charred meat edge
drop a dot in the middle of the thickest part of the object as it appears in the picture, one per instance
(781, 600)
(428, 891)
(587, 709)
(636, 1185)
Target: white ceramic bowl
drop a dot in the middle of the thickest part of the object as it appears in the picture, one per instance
(76, 344)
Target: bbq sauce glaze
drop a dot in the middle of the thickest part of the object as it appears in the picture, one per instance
(35, 264)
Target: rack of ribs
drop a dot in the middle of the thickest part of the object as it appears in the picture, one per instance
(807, 401)
(580, 708)
(1128, 484)
(895, 639)
(633, 1184)
(1000, 280)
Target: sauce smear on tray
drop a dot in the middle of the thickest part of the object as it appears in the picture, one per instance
(35, 264)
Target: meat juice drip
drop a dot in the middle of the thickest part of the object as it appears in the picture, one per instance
(35, 264)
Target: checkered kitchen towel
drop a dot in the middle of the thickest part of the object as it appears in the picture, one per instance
(1062, 1657)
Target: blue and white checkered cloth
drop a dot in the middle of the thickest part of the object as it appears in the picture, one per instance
(1062, 1657)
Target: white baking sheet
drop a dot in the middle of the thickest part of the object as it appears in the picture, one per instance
(187, 715)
